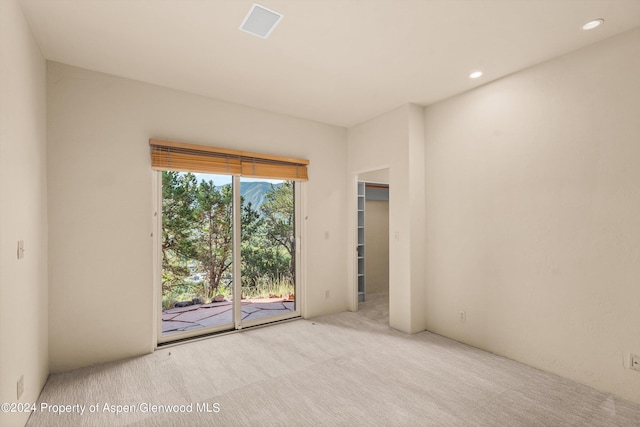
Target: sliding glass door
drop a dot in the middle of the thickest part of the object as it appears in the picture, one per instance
(268, 255)
(228, 253)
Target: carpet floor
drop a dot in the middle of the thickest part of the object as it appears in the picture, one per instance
(346, 369)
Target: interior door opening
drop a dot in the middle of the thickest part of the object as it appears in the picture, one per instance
(372, 250)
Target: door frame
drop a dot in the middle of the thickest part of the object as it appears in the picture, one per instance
(352, 206)
(236, 324)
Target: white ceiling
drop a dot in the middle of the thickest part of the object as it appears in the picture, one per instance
(334, 61)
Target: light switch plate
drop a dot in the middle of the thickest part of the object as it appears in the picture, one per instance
(20, 387)
(20, 249)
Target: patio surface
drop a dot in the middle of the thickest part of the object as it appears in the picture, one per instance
(220, 313)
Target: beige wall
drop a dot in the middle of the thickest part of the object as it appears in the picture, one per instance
(376, 246)
(23, 212)
(101, 251)
(380, 176)
(533, 215)
(394, 140)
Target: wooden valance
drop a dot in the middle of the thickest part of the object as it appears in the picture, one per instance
(185, 157)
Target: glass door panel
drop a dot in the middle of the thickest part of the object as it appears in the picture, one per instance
(197, 254)
(268, 254)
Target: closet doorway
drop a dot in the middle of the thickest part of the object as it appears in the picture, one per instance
(373, 236)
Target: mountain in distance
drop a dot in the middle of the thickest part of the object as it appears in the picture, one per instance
(255, 192)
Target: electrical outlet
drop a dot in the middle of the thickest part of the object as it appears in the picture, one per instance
(635, 362)
(20, 386)
(462, 316)
(326, 294)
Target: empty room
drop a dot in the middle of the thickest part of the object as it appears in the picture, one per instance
(322, 212)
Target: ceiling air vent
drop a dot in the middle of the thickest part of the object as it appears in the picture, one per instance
(260, 21)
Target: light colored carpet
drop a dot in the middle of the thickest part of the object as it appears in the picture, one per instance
(347, 369)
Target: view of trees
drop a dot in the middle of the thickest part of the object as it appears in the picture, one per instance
(197, 240)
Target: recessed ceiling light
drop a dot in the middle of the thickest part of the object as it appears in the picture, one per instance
(260, 21)
(475, 74)
(593, 24)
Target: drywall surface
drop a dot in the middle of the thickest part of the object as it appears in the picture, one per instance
(380, 176)
(532, 216)
(101, 205)
(376, 246)
(23, 213)
(384, 142)
(417, 215)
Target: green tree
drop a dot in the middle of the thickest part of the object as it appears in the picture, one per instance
(198, 233)
(178, 215)
(278, 214)
(261, 259)
(214, 234)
